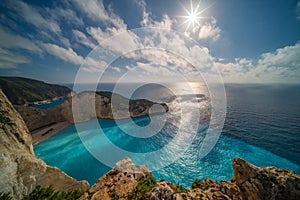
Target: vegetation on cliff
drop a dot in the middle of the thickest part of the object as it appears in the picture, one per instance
(50, 194)
(46, 193)
(128, 181)
(23, 90)
(143, 188)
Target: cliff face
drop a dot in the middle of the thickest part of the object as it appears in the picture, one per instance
(20, 170)
(265, 182)
(249, 182)
(37, 118)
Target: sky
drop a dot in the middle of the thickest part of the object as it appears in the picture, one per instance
(130, 40)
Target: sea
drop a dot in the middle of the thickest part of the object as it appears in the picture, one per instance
(262, 126)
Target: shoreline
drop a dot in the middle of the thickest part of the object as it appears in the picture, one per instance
(46, 132)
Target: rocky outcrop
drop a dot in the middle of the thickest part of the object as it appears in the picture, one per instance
(249, 182)
(265, 182)
(209, 189)
(20, 170)
(104, 109)
(119, 181)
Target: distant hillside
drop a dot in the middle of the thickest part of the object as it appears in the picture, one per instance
(23, 90)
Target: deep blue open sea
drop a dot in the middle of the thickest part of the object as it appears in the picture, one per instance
(262, 126)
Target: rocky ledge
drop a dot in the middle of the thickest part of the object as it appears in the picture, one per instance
(129, 181)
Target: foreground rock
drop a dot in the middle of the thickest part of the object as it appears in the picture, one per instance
(249, 182)
(104, 108)
(265, 182)
(119, 181)
(20, 170)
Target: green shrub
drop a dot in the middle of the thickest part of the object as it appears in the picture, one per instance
(50, 194)
(114, 195)
(5, 196)
(196, 183)
(143, 187)
(179, 189)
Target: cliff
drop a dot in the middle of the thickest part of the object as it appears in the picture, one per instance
(129, 181)
(20, 170)
(36, 118)
(23, 90)
(265, 182)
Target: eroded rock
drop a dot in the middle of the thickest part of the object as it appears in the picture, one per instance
(248, 182)
(119, 181)
(258, 183)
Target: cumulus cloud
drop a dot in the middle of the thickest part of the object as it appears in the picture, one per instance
(93, 9)
(117, 69)
(118, 44)
(149, 69)
(99, 35)
(96, 11)
(282, 65)
(9, 59)
(31, 15)
(66, 14)
(166, 22)
(283, 57)
(68, 55)
(10, 40)
(128, 67)
(146, 16)
(209, 30)
(46, 20)
(94, 65)
(81, 38)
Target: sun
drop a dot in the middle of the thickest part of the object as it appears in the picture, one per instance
(192, 18)
(193, 15)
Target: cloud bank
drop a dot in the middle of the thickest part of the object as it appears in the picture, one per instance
(67, 30)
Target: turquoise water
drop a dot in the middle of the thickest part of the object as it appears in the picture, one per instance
(66, 151)
(50, 104)
(262, 126)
